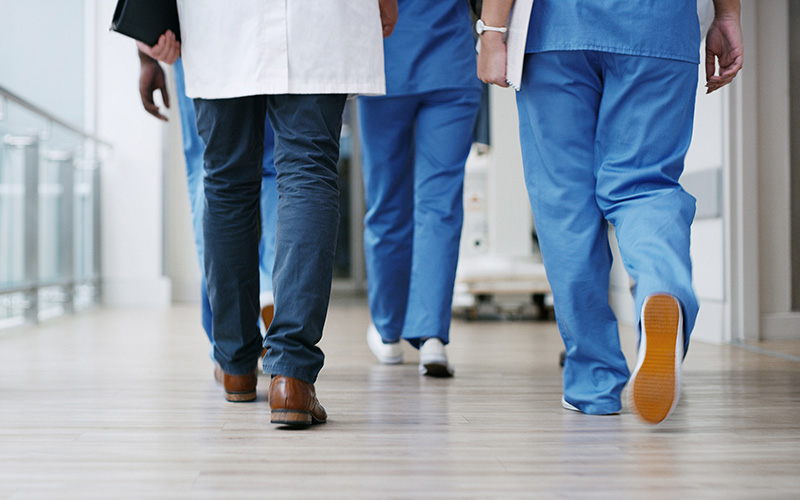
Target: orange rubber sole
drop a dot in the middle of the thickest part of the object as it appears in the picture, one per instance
(655, 384)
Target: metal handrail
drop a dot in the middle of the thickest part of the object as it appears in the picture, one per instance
(29, 150)
(7, 94)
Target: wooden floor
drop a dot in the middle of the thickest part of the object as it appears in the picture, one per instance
(121, 404)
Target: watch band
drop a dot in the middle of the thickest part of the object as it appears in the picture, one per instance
(480, 28)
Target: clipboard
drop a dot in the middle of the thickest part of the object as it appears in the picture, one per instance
(516, 37)
(146, 20)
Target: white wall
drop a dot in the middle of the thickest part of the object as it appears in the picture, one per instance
(770, 51)
(510, 219)
(182, 265)
(133, 175)
(59, 55)
(703, 160)
(41, 54)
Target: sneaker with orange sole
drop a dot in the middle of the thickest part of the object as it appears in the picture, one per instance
(656, 381)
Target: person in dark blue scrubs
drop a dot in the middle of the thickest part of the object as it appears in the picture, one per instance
(606, 109)
(415, 142)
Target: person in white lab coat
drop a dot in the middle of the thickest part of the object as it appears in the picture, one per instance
(295, 62)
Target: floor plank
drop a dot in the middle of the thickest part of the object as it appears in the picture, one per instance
(121, 403)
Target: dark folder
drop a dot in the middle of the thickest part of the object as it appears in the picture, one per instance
(146, 20)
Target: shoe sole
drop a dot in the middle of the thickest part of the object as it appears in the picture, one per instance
(436, 370)
(655, 384)
(390, 361)
(240, 397)
(233, 397)
(568, 406)
(294, 418)
(386, 360)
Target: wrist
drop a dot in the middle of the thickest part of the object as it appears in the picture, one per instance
(482, 28)
(492, 38)
(146, 59)
(727, 9)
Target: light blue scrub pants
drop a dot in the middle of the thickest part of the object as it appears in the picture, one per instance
(414, 148)
(603, 141)
(193, 151)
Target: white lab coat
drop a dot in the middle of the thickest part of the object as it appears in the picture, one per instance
(250, 47)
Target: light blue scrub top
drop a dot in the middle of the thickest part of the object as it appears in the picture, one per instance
(666, 29)
(431, 48)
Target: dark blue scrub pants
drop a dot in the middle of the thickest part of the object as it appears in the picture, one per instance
(603, 138)
(193, 151)
(307, 129)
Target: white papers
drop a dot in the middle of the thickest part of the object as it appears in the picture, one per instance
(516, 37)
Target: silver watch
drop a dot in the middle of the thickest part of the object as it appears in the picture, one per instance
(480, 28)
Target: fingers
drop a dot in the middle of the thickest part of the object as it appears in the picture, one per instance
(496, 78)
(389, 13)
(153, 110)
(728, 69)
(150, 81)
(165, 96)
(711, 64)
(724, 48)
(167, 49)
(150, 105)
(492, 62)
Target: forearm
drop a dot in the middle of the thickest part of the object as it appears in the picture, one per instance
(144, 59)
(495, 12)
(492, 56)
(727, 8)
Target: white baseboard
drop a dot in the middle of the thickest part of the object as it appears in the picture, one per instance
(124, 291)
(780, 326)
(710, 321)
(185, 291)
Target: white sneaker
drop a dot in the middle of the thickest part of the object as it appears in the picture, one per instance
(433, 359)
(388, 354)
(656, 381)
(568, 406)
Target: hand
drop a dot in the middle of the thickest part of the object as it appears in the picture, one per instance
(492, 59)
(723, 44)
(151, 78)
(388, 16)
(167, 49)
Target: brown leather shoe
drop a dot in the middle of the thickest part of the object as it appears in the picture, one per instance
(267, 313)
(294, 402)
(238, 388)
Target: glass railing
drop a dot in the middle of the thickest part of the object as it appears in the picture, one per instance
(49, 214)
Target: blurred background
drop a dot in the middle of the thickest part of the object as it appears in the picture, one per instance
(94, 209)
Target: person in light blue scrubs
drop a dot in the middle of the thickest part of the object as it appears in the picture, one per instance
(606, 109)
(415, 141)
(193, 152)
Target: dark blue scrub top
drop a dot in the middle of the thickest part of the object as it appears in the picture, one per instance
(431, 48)
(667, 29)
